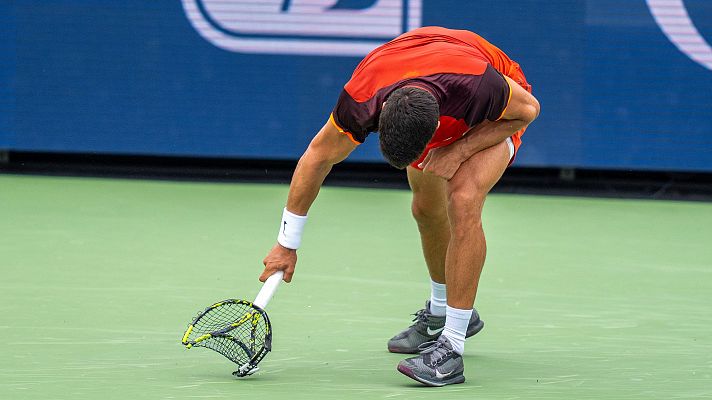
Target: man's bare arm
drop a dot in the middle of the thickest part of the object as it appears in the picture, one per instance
(522, 109)
(328, 147)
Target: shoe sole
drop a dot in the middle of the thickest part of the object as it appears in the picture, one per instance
(470, 332)
(409, 373)
(475, 329)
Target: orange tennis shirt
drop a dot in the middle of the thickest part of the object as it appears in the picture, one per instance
(461, 69)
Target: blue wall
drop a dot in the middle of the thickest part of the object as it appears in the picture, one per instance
(7, 74)
(135, 77)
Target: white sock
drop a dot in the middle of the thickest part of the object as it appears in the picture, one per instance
(438, 298)
(456, 323)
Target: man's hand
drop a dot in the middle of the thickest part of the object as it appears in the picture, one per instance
(443, 161)
(279, 259)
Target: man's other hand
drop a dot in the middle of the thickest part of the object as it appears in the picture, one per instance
(443, 161)
(279, 259)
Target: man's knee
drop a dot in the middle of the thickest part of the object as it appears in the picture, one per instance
(427, 211)
(465, 206)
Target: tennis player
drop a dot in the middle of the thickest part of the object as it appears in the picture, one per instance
(450, 108)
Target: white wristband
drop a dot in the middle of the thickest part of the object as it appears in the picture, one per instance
(290, 230)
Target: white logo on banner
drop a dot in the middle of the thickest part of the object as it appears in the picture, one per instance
(310, 27)
(673, 19)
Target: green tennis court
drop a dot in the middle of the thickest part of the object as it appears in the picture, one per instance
(582, 298)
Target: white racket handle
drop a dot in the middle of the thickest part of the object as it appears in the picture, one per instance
(268, 289)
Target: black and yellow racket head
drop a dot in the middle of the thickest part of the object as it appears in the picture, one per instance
(237, 329)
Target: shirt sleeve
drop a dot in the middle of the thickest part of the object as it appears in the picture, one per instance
(490, 98)
(352, 118)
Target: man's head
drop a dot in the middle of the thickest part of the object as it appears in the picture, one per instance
(408, 121)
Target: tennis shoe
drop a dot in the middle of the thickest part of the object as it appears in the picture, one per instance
(427, 328)
(436, 365)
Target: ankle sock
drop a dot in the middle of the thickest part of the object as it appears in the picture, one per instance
(438, 298)
(456, 322)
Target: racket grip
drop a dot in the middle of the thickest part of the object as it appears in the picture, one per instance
(268, 289)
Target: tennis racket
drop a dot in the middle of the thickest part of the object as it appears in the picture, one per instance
(238, 329)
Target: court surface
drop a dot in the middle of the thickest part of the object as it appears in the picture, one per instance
(582, 298)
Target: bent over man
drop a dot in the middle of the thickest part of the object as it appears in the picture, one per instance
(450, 108)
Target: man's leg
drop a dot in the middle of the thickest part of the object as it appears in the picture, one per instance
(466, 193)
(429, 209)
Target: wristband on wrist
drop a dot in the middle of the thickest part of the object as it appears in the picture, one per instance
(290, 230)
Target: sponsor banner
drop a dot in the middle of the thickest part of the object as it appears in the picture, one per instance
(314, 27)
(623, 85)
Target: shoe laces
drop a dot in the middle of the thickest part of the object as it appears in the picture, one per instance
(437, 350)
(421, 316)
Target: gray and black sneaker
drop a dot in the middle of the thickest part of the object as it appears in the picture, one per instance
(427, 327)
(436, 365)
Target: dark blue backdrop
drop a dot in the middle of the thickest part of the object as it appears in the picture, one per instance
(135, 77)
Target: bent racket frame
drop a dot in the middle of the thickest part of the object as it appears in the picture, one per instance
(254, 314)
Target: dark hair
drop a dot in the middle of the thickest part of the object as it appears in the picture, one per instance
(407, 123)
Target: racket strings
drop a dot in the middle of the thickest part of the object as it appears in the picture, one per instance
(239, 332)
(221, 317)
(228, 348)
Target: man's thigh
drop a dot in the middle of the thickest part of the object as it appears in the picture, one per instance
(480, 173)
